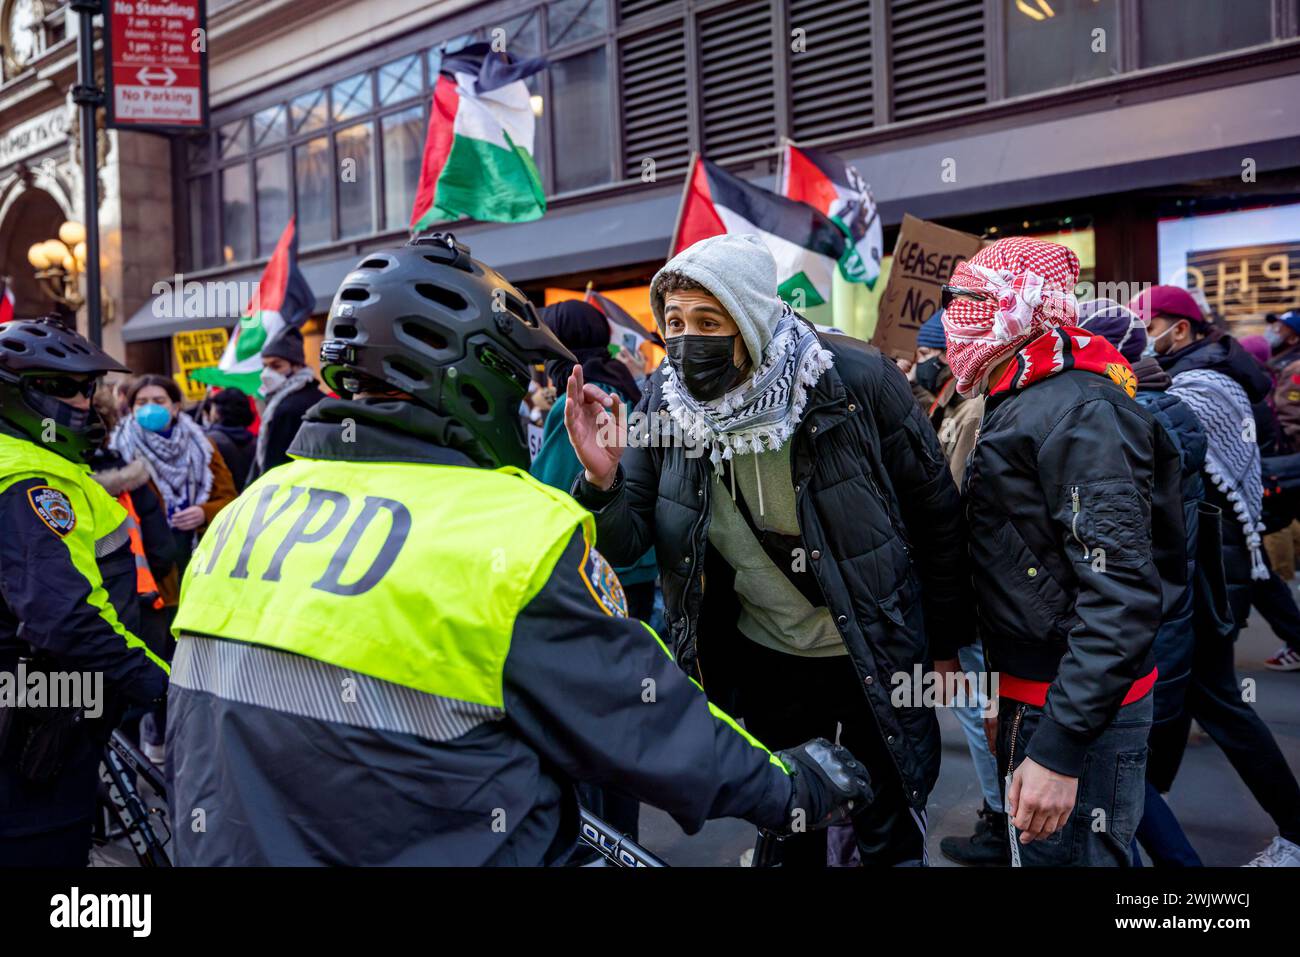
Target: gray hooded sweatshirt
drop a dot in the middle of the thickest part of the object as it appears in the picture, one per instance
(740, 273)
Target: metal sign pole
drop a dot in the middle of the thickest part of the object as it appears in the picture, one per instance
(88, 97)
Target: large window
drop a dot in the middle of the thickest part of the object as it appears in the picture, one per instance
(403, 147)
(236, 214)
(272, 200)
(317, 157)
(353, 149)
(634, 86)
(315, 186)
(581, 120)
(1059, 44)
(1173, 30)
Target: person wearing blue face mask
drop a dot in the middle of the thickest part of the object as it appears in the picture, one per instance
(185, 466)
(191, 479)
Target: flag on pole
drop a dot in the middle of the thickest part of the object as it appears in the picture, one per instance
(624, 330)
(478, 153)
(827, 183)
(804, 242)
(6, 300)
(282, 299)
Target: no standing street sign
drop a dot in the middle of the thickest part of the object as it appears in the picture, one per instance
(157, 64)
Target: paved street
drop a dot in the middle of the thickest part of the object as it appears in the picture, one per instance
(1221, 819)
(1223, 822)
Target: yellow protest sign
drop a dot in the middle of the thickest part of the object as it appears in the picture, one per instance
(194, 350)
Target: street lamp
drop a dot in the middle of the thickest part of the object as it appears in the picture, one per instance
(59, 264)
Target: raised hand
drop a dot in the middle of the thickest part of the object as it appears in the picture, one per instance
(591, 417)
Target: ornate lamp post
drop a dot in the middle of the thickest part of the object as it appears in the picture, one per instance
(60, 263)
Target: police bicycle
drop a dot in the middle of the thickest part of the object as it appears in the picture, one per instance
(127, 781)
(619, 850)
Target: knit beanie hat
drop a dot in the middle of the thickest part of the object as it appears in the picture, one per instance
(1118, 325)
(930, 335)
(286, 344)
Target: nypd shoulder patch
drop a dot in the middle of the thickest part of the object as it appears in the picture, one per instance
(602, 581)
(53, 508)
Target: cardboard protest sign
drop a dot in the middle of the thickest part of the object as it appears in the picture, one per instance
(924, 258)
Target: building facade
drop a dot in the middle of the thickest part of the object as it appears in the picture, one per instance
(41, 179)
(1159, 138)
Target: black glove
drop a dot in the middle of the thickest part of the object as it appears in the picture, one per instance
(829, 785)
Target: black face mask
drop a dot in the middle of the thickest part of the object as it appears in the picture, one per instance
(928, 372)
(704, 364)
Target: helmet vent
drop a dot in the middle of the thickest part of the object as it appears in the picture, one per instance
(405, 370)
(375, 264)
(342, 331)
(354, 294)
(422, 333)
(56, 352)
(477, 401)
(446, 298)
(521, 311)
(14, 346)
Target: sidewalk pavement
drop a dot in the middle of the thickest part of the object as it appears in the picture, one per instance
(1221, 819)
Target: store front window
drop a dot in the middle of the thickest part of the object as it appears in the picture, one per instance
(1246, 262)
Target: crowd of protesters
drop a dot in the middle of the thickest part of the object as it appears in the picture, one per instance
(1088, 477)
(1085, 499)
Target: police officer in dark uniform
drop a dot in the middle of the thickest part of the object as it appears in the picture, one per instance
(399, 648)
(66, 658)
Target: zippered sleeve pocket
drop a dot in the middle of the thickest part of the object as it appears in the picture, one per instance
(1105, 523)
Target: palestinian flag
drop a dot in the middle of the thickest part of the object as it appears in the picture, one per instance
(827, 183)
(805, 243)
(478, 153)
(624, 330)
(282, 299)
(6, 301)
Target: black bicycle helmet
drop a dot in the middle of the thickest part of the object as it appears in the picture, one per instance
(428, 320)
(30, 349)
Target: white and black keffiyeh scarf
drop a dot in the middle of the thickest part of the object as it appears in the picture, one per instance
(1232, 455)
(763, 412)
(178, 463)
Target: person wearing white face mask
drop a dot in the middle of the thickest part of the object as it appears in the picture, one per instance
(290, 388)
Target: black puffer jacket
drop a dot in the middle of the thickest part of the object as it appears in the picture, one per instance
(1077, 547)
(879, 515)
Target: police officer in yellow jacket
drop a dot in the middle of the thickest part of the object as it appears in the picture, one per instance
(401, 649)
(63, 646)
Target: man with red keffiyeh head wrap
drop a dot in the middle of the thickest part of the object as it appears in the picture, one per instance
(1077, 545)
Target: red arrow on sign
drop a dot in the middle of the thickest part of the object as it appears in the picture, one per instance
(166, 76)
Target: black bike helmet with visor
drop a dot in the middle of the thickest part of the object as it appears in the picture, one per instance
(428, 320)
(43, 362)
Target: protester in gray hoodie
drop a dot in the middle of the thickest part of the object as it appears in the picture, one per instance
(807, 529)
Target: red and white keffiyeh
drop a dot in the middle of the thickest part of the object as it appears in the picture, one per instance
(1030, 287)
